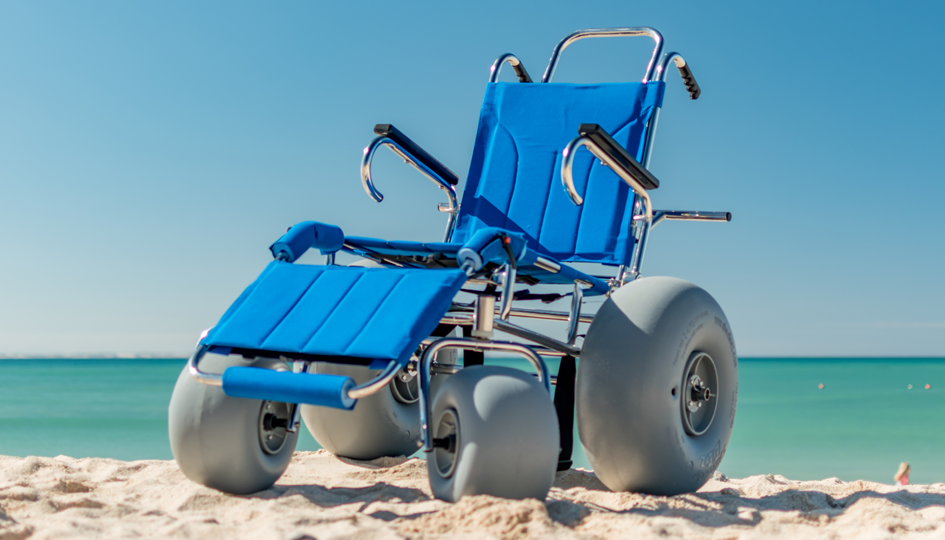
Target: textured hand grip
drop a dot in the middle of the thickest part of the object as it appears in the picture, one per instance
(690, 81)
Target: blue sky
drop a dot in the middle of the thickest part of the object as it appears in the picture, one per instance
(150, 152)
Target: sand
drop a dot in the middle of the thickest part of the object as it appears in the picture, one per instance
(324, 497)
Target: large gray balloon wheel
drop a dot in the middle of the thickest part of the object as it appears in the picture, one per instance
(386, 423)
(657, 386)
(231, 444)
(497, 433)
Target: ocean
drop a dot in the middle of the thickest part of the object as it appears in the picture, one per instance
(860, 425)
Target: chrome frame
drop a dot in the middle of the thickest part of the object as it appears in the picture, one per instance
(368, 183)
(607, 32)
(358, 392)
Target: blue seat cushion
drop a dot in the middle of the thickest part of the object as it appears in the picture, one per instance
(342, 311)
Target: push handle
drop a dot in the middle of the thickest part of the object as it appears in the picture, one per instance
(689, 80)
(421, 155)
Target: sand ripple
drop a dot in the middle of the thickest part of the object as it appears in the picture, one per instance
(327, 498)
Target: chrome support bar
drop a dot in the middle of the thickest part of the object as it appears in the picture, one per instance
(533, 336)
(483, 317)
(368, 182)
(508, 291)
(375, 384)
(542, 314)
(574, 318)
(607, 32)
(547, 265)
(687, 215)
(467, 344)
(211, 379)
(516, 65)
(567, 164)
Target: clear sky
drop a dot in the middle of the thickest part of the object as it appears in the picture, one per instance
(151, 151)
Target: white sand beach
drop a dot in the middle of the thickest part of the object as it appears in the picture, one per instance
(324, 497)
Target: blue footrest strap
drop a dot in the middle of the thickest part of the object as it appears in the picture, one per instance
(367, 316)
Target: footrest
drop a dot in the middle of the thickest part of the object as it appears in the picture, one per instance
(338, 311)
(309, 388)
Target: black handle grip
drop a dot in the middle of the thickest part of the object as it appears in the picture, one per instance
(631, 166)
(691, 85)
(421, 155)
(521, 73)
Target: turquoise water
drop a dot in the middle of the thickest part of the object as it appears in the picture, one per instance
(859, 426)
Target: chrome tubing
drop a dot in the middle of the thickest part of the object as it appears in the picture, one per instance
(513, 61)
(689, 215)
(574, 318)
(358, 392)
(607, 32)
(211, 379)
(541, 339)
(675, 57)
(377, 383)
(567, 164)
(542, 314)
(426, 360)
(368, 182)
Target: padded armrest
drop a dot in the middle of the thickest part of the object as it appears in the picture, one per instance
(487, 245)
(308, 234)
(612, 148)
(421, 155)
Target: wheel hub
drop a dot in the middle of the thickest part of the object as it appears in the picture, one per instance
(701, 390)
(446, 443)
(274, 421)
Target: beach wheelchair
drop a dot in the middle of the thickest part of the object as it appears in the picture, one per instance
(387, 356)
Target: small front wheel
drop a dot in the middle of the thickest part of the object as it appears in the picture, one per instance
(235, 445)
(496, 433)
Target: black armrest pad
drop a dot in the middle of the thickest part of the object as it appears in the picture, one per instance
(421, 155)
(616, 152)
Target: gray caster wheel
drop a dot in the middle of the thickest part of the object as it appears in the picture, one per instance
(231, 444)
(383, 424)
(499, 435)
(657, 385)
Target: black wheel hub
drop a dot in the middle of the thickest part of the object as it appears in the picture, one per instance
(700, 389)
(446, 443)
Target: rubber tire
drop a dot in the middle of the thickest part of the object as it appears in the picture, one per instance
(507, 437)
(378, 426)
(629, 420)
(215, 438)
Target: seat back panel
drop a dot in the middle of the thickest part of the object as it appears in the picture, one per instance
(514, 179)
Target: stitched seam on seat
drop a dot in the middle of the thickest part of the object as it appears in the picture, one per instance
(544, 211)
(332, 312)
(377, 310)
(290, 310)
(508, 207)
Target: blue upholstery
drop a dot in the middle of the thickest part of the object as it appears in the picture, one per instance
(368, 313)
(305, 235)
(312, 389)
(514, 178)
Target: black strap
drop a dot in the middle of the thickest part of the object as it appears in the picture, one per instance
(564, 406)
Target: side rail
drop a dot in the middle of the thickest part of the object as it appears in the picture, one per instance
(418, 158)
(646, 31)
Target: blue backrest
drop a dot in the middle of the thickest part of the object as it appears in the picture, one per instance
(515, 176)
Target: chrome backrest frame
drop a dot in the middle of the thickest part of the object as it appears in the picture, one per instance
(607, 32)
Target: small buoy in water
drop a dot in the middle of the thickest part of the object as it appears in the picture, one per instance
(910, 387)
(821, 386)
(928, 386)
